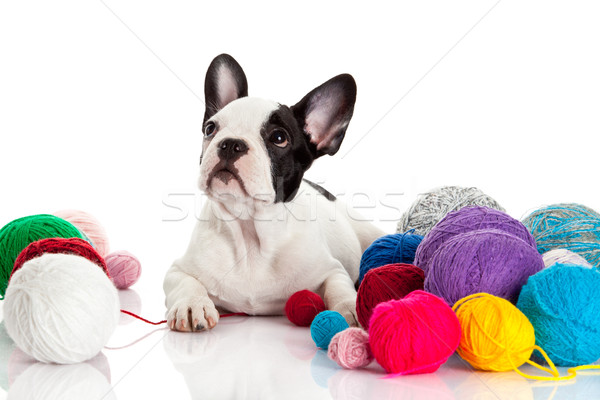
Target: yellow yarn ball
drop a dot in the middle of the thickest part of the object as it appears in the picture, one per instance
(496, 335)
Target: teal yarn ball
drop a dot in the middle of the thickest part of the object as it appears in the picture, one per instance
(563, 305)
(398, 248)
(567, 226)
(324, 327)
(18, 234)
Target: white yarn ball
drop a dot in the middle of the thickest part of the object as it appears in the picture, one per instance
(61, 308)
(564, 256)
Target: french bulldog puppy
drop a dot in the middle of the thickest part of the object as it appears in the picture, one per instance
(264, 231)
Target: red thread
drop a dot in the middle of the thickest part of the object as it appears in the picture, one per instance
(164, 321)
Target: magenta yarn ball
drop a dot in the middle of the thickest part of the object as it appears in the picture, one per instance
(413, 335)
(89, 226)
(124, 268)
(488, 260)
(350, 348)
(465, 220)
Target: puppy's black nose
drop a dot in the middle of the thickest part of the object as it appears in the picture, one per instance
(232, 149)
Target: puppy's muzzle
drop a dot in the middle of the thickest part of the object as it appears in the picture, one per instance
(232, 149)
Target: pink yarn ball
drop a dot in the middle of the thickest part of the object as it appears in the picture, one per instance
(414, 335)
(350, 348)
(89, 226)
(124, 268)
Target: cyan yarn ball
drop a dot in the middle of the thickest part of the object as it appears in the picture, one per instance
(324, 327)
(563, 306)
(567, 226)
(398, 248)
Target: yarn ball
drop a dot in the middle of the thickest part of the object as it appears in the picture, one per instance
(61, 308)
(124, 268)
(562, 304)
(429, 208)
(389, 282)
(486, 260)
(496, 336)
(548, 217)
(464, 220)
(18, 234)
(324, 327)
(564, 256)
(389, 249)
(76, 246)
(350, 348)
(561, 227)
(303, 306)
(89, 226)
(414, 335)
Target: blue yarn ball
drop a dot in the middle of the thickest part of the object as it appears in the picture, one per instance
(567, 226)
(324, 327)
(389, 249)
(563, 305)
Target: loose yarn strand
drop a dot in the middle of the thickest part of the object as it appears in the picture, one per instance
(164, 321)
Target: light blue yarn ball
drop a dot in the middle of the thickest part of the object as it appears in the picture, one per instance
(563, 305)
(567, 226)
(389, 249)
(324, 327)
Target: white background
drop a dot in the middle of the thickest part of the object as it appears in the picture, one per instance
(101, 104)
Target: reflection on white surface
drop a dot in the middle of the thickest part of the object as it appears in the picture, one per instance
(66, 382)
(130, 301)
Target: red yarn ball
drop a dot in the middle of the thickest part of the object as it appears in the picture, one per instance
(303, 306)
(76, 246)
(389, 282)
(415, 335)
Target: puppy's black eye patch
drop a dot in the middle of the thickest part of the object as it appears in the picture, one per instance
(279, 137)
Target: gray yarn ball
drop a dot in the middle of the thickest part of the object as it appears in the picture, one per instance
(431, 207)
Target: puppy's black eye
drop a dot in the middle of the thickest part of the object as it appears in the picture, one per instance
(279, 138)
(209, 129)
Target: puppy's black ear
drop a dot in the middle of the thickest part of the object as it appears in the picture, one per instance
(225, 81)
(325, 113)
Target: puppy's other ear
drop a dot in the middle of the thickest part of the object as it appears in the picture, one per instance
(225, 81)
(325, 113)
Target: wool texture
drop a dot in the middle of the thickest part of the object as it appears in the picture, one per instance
(89, 226)
(486, 260)
(303, 306)
(389, 282)
(350, 349)
(61, 308)
(468, 219)
(389, 249)
(562, 304)
(18, 234)
(124, 268)
(414, 335)
(548, 217)
(324, 327)
(564, 256)
(581, 236)
(429, 208)
(496, 336)
(76, 246)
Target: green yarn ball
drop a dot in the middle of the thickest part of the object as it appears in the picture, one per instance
(18, 234)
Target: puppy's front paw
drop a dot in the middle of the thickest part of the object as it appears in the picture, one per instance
(348, 310)
(192, 314)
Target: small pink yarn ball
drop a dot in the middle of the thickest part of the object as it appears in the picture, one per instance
(89, 226)
(413, 335)
(350, 348)
(124, 268)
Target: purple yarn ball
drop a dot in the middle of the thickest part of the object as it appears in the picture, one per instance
(487, 260)
(465, 220)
